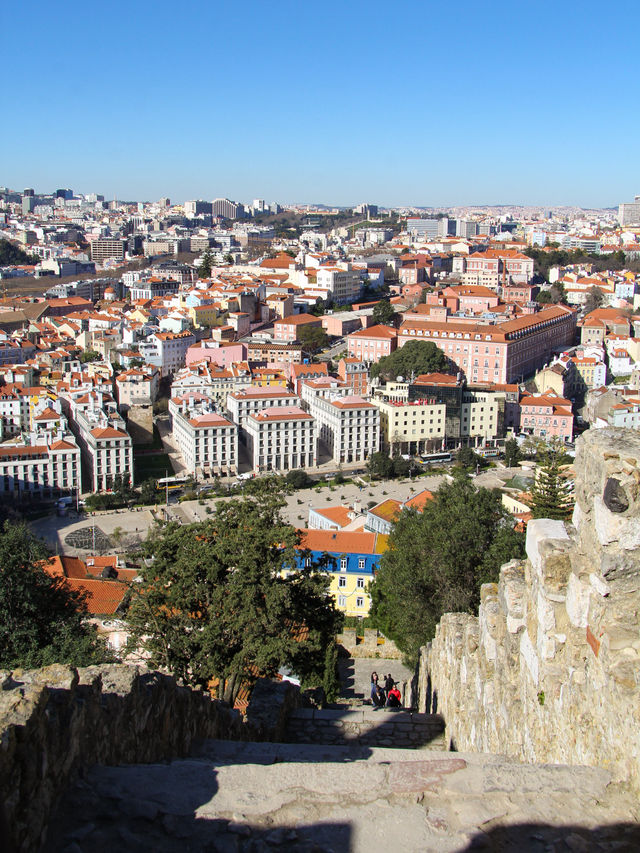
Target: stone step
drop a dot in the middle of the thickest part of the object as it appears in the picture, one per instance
(366, 726)
(236, 797)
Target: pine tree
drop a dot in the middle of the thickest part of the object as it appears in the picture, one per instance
(551, 494)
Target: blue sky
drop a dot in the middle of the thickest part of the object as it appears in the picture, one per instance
(395, 103)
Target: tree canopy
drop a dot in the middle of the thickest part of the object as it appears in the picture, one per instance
(384, 314)
(512, 453)
(416, 357)
(12, 254)
(551, 493)
(438, 559)
(206, 264)
(312, 338)
(595, 298)
(41, 619)
(215, 603)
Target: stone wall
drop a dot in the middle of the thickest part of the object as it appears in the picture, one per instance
(56, 721)
(372, 644)
(549, 670)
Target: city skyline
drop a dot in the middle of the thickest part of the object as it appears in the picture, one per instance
(417, 107)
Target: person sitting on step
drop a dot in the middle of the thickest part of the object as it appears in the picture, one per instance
(394, 697)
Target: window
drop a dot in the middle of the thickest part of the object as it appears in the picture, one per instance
(359, 601)
(342, 581)
(343, 564)
(361, 563)
(360, 583)
(342, 601)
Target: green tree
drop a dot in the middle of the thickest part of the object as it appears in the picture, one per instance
(206, 264)
(401, 467)
(41, 618)
(214, 603)
(384, 313)
(544, 297)
(148, 492)
(438, 559)
(551, 493)
(89, 355)
(468, 459)
(379, 466)
(416, 357)
(298, 479)
(512, 453)
(12, 254)
(594, 299)
(312, 338)
(319, 308)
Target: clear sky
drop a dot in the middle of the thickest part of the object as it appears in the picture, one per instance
(417, 103)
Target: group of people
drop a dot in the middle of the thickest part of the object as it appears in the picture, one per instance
(385, 697)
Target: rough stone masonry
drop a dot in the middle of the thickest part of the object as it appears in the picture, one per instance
(549, 670)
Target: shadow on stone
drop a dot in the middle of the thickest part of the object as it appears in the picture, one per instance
(539, 837)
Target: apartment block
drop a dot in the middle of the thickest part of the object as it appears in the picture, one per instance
(372, 344)
(355, 374)
(408, 426)
(354, 558)
(350, 426)
(345, 285)
(207, 441)
(106, 448)
(281, 438)
(249, 401)
(107, 248)
(167, 350)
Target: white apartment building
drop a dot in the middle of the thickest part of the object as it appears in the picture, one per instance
(344, 284)
(39, 470)
(45, 461)
(321, 386)
(482, 415)
(281, 438)
(249, 401)
(350, 426)
(167, 350)
(106, 447)
(208, 442)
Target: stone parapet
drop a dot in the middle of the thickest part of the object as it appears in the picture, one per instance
(57, 721)
(549, 670)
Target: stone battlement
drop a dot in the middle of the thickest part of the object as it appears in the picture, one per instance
(57, 721)
(549, 670)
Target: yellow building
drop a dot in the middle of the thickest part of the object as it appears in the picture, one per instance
(353, 558)
(408, 425)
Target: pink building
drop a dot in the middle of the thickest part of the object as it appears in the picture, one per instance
(370, 345)
(222, 354)
(504, 352)
(547, 416)
(287, 329)
(507, 262)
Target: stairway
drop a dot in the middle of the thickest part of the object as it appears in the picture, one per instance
(234, 797)
(364, 726)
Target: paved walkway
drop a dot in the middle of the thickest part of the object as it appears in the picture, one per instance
(234, 797)
(132, 526)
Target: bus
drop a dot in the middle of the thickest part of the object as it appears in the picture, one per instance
(172, 483)
(442, 456)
